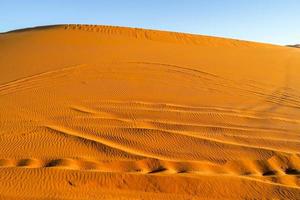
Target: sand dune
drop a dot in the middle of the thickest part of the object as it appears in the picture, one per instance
(100, 112)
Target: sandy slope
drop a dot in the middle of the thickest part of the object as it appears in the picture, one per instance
(97, 112)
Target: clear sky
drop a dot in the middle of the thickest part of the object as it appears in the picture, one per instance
(271, 21)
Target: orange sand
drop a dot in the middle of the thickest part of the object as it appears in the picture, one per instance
(99, 112)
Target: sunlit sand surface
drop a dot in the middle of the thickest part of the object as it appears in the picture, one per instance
(99, 112)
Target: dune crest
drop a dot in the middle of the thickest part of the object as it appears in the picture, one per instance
(102, 112)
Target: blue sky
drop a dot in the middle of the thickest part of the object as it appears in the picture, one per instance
(271, 21)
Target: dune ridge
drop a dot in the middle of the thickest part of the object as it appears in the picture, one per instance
(148, 34)
(103, 112)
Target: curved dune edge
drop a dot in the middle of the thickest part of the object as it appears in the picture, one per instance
(147, 34)
(103, 112)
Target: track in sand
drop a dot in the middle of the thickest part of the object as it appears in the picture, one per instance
(100, 112)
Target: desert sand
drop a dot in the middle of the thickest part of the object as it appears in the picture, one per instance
(101, 112)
